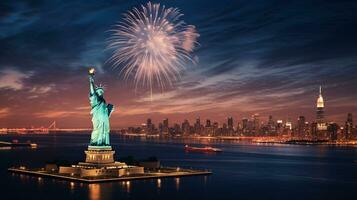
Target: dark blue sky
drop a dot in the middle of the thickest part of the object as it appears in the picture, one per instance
(266, 57)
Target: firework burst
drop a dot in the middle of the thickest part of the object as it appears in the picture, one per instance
(153, 45)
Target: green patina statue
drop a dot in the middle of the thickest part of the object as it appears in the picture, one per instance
(100, 112)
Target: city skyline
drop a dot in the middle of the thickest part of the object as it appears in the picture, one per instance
(221, 119)
(253, 58)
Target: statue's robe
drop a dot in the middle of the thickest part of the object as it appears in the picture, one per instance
(100, 118)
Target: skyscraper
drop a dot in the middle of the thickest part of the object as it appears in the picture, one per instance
(279, 127)
(148, 122)
(301, 127)
(198, 126)
(320, 113)
(230, 123)
(271, 126)
(314, 130)
(332, 129)
(349, 127)
(208, 130)
(256, 123)
(230, 130)
(149, 126)
(165, 126)
(185, 127)
(244, 123)
(166, 122)
(270, 120)
(208, 123)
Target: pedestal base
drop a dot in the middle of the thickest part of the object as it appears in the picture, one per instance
(100, 163)
(99, 155)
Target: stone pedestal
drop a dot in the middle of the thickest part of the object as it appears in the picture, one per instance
(100, 155)
(100, 162)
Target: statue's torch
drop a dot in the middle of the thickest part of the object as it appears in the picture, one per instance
(91, 71)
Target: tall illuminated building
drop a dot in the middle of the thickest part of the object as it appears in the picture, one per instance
(320, 113)
(165, 126)
(288, 124)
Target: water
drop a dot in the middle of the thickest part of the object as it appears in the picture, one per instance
(242, 171)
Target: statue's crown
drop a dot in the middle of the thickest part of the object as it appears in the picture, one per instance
(100, 86)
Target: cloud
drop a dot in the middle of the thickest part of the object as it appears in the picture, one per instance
(4, 112)
(83, 108)
(56, 114)
(42, 89)
(13, 79)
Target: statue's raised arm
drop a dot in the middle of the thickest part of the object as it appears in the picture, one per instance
(91, 81)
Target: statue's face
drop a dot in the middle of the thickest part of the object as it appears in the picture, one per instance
(99, 91)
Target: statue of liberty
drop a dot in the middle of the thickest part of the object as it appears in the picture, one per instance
(100, 112)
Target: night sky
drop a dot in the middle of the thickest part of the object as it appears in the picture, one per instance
(266, 57)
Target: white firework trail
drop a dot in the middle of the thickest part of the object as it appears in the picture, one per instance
(153, 45)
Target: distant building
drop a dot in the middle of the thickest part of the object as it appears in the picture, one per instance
(320, 113)
(244, 125)
(176, 130)
(279, 127)
(272, 128)
(332, 130)
(208, 123)
(230, 128)
(166, 122)
(208, 129)
(185, 127)
(301, 127)
(288, 124)
(349, 127)
(314, 130)
(165, 126)
(256, 122)
(149, 126)
(197, 126)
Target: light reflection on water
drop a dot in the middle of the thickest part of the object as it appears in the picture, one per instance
(94, 191)
(127, 186)
(158, 183)
(177, 183)
(72, 185)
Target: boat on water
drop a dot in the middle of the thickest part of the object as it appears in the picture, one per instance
(206, 149)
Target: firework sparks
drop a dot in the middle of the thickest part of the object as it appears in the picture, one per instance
(153, 45)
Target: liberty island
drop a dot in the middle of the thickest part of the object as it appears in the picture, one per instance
(100, 165)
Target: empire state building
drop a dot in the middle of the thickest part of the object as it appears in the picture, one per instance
(320, 113)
